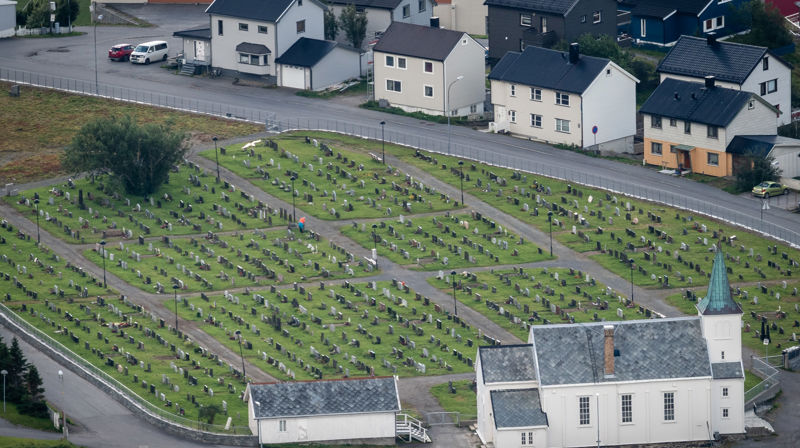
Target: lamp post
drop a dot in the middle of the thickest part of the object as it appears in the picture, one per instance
(4, 372)
(216, 155)
(258, 424)
(96, 82)
(103, 247)
(175, 288)
(238, 334)
(38, 238)
(292, 219)
(63, 413)
(375, 244)
(461, 169)
(455, 302)
(447, 104)
(550, 221)
(632, 299)
(383, 143)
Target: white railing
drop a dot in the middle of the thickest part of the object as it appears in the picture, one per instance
(770, 382)
(408, 426)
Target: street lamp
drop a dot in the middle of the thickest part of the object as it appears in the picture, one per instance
(550, 220)
(238, 334)
(4, 372)
(258, 424)
(175, 288)
(100, 17)
(38, 238)
(447, 105)
(632, 300)
(455, 302)
(383, 143)
(375, 244)
(216, 156)
(103, 247)
(461, 169)
(292, 219)
(63, 413)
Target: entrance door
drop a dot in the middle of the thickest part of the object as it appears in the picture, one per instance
(687, 160)
(200, 50)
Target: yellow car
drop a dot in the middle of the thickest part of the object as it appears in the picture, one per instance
(769, 188)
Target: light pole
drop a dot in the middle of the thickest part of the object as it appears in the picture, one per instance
(175, 288)
(96, 83)
(461, 169)
(63, 413)
(459, 78)
(383, 143)
(238, 334)
(293, 211)
(632, 299)
(38, 238)
(258, 424)
(455, 302)
(375, 244)
(4, 372)
(550, 221)
(216, 155)
(103, 248)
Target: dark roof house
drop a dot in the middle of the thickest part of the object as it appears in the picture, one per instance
(418, 41)
(262, 10)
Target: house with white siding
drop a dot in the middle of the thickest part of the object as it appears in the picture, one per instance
(8, 18)
(564, 98)
(314, 64)
(632, 382)
(382, 13)
(736, 66)
(469, 16)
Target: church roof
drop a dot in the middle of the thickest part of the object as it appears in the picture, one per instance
(505, 363)
(726, 370)
(718, 300)
(517, 408)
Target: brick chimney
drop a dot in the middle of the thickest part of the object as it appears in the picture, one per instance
(608, 350)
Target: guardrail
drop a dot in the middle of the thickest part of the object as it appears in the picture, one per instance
(769, 385)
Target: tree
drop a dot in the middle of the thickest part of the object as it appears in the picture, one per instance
(140, 157)
(331, 25)
(38, 15)
(354, 25)
(33, 383)
(755, 170)
(67, 11)
(208, 413)
(15, 387)
(765, 22)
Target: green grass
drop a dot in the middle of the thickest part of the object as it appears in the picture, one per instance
(17, 442)
(433, 243)
(464, 401)
(751, 380)
(12, 415)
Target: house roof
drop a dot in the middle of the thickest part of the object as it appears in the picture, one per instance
(726, 370)
(727, 61)
(648, 350)
(305, 398)
(263, 10)
(418, 41)
(308, 52)
(378, 4)
(504, 363)
(718, 299)
(549, 69)
(552, 6)
(693, 7)
(517, 408)
(195, 33)
(692, 101)
(249, 47)
(758, 145)
(652, 9)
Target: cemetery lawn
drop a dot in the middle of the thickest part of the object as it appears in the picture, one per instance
(331, 183)
(17, 442)
(771, 298)
(445, 242)
(751, 380)
(323, 334)
(464, 401)
(250, 258)
(12, 415)
(180, 207)
(554, 296)
(610, 228)
(31, 272)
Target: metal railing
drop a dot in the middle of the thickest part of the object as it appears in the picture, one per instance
(769, 385)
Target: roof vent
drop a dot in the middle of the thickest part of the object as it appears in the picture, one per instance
(710, 81)
(608, 350)
(711, 38)
(677, 96)
(574, 51)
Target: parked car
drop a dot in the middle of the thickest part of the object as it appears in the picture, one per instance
(769, 188)
(120, 52)
(150, 52)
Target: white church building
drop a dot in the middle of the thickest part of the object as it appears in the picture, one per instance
(618, 383)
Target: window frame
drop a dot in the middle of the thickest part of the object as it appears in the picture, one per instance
(643, 27)
(282, 425)
(395, 83)
(220, 27)
(687, 127)
(402, 63)
(626, 409)
(765, 63)
(301, 26)
(725, 392)
(244, 26)
(562, 121)
(536, 118)
(388, 61)
(713, 132)
(425, 65)
(669, 407)
(512, 116)
(562, 99)
(263, 29)
(673, 123)
(525, 19)
(512, 90)
(709, 156)
(653, 149)
(543, 24)
(597, 16)
(422, 5)
(584, 411)
(726, 413)
(425, 88)
(536, 94)
(655, 122)
(250, 57)
(406, 11)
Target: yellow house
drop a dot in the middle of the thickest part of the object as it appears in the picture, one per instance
(689, 126)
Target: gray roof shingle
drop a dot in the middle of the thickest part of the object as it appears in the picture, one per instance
(505, 363)
(418, 41)
(195, 33)
(302, 398)
(726, 370)
(249, 47)
(758, 145)
(717, 106)
(306, 52)
(552, 6)
(517, 408)
(264, 10)
(549, 69)
(377, 4)
(727, 61)
(648, 350)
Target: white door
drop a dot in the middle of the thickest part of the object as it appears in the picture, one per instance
(200, 50)
(294, 77)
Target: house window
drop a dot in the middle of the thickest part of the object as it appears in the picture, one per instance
(583, 18)
(719, 22)
(713, 159)
(536, 94)
(724, 412)
(512, 116)
(562, 99)
(401, 63)
(672, 149)
(301, 26)
(523, 439)
(473, 108)
(597, 17)
(724, 391)
(429, 91)
(713, 132)
(723, 354)
(583, 408)
(543, 23)
(669, 406)
(522, 45)
(751, 104)
(406, 11)
(513, 90)
(526, 440)
(655, 148)
(251, 59)
(673, 122)
(394, 86)
(655, 121)
(262, 29)
(428, 67)
(219, 27)
(627, 407)
(769, 86)
(525, 20)
(562, 125)
(390, 61)
(536, 121)
(243, 26)
(643, 27)
(282, 425)
(713, 24)
(765, 63)
(421, 5)
(687, 127)
(299, 2)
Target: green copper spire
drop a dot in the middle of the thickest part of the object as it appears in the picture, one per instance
(718, 298)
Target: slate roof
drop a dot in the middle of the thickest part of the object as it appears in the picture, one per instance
(727, 61)
(307, 52)
(726, 370)
(759, 145)
(248, 47)
(304, 398)
(195, 33)
(517, 408)
(504, 363)
(548, 69)
(648, 350)
(552, 6)
(418, 41)
(718, 299)
(652, 8)
(378, 4)
(263, 10)
(716, 106)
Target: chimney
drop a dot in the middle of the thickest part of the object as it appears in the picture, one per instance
(608, 351)
(574, 51)
(711, 39)
(434, 22)
(677, 96)
(710, 81)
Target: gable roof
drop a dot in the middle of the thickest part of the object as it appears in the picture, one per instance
(418, 41)
(263, 10)
(504, 363)
(656, 8)
(758, 145)
(549, 69)
(716, 106)
(718, 299)
(648, 350)
(726, 370)
(517, 408)
(552, 6)
(307, 52)
(378, 4)
(726, 61)
(305, 398)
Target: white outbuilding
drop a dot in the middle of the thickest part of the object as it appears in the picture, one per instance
(8, 18)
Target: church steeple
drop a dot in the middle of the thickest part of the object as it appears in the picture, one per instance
(718, 299)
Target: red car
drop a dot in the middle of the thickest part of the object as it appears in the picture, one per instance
(120, 52)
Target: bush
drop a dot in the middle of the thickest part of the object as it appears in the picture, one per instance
(759, 169)
(36, 409)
